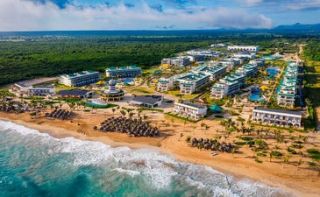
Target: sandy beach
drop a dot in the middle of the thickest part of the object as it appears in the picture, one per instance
(299, 181)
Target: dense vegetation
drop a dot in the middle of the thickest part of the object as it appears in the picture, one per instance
(28, 59)
(31, 57)
(312, 80)
(312, 50)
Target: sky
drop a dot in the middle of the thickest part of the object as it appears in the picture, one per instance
(41, 15)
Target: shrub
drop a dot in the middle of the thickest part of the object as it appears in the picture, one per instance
(246, 138)
(240, 143)
(314, 153)
(262, 145)
(291, 150)
(276, 153)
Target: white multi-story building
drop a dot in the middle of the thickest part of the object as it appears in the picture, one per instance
(193, 82)
(180, 61)
(244, 55)
(123, 72)
(227, 86)
(80, 79)
(215, 71)
(258, 62)
(20, 89)
(233, 83)
(287, 91)
(34, 87)
(277, 117)
(190, 110)
(165, 84)
(243, 48)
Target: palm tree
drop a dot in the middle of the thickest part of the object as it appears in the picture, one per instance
(131, 115)
(113, 110)
(123, 113)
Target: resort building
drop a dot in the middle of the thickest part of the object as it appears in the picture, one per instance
(180, 61)
(248, 70)
(190, 110)
(259, 62)
(149, 101)
(227, 86)
(287, 90)
(165, 85)
(214, 72)
(80, 79)
(193, 82)
(202, 55)
(244, 55)
(75, 93)
(231, 63)
(243, 48)
(123, 72)
(36, 87)
(233, 83)
(277, 117)
(112, 94)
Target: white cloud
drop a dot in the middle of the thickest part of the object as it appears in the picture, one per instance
(251, 2)
(304, 4)
(26, 15)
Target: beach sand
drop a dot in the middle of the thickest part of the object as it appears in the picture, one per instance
(299, 181)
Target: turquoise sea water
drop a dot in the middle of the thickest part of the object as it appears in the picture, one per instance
(36, 164)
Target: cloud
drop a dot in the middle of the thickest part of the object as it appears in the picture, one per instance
(28, 15)
(251, 2)
(304, 4)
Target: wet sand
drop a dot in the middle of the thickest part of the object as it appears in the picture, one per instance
(301, 182)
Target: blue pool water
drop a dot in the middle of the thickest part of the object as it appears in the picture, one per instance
(255, 95)
(36, 164)
(272, 72)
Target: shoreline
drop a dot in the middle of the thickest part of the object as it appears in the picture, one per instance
(233, 165)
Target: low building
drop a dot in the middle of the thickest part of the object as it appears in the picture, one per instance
(112, 94)
(35, 87)
(277, 117)
(79, 79)
(123, 72)
(243, 48)
(149, 101)
(190, 110)
(75, 93)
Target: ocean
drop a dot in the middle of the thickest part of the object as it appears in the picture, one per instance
(36, 164)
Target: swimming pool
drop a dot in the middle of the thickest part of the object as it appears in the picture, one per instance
(272, 72)
(255, 95)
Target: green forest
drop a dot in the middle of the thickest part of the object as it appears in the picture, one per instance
(28, 59)
(312, 50)
(37, 57)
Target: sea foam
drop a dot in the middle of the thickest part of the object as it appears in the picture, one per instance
(159, 170)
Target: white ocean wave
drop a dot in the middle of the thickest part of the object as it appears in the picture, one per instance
(159, 170)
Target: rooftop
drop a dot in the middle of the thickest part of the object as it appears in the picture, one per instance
(296, 113)
(74, 92)
(131, 67)
(147, 99)
(79, 74)
(195, 105)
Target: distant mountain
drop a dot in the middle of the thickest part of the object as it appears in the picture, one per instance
(298, 28)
